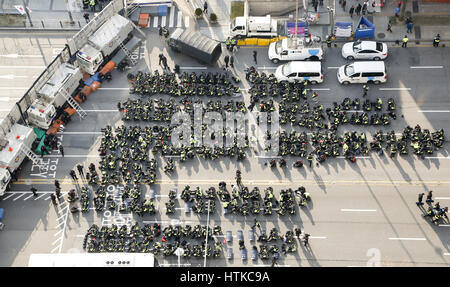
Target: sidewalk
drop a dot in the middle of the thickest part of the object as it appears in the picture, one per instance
(46, 15)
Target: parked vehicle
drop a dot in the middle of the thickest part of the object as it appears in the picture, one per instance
(196, 45)
(362, 72)
(245, 26)
(367, 50)
(286, 50)
(300, 71)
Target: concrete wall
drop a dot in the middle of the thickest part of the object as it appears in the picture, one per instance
(275, 8)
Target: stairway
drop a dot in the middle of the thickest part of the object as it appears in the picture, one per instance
(30, 154)
(73, 103)
(126, 51)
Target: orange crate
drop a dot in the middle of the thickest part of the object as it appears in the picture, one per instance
(144, 17)
(143, 20)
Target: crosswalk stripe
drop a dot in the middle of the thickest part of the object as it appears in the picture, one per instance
(163, 21)
(171, 18)
(179, 19)
(155, 22)
(186, 21)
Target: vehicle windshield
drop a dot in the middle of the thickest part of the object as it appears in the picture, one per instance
(349, 70)
(286, 70)
(233, 24)
(278, 48)
(356, 47)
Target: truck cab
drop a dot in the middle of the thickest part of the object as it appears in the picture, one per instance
(286, 50)
(41, 115)
(89, 59)
(238, 27)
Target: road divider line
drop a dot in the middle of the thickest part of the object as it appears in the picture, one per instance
(427, 67)
(408, 238)
(358, 210)
(442, 198)
(444, 225)
(194, 68)
(433, 111)
(394, 89)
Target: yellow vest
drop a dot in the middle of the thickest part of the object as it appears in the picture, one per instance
(405, 40)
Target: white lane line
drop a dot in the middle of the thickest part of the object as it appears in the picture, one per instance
(395, 89)
(408, 238)
(427, 67)
(179, 19)
(72, 155)
(433, 111)
(58, 232)
(442, 198)
(194, 68)
(15, 56)
(80, 133)
(186, 21)
(101, 111)
(28, 197)
(267, 156)
(13, 88)
(172, 17)
(173, 156)
(47, 198)
(155, 22)
(333, 67)
(18, 197)
(56, 240)
(11, 77)
(7, 99)
(437, 157)
(446, 254)
(321, 89)
(60, 217)
(22, 67)
(54, 249)
(8, 196)
(163, 21)
(318, 237)
(79, 235)
(114, 89)
(358, 210)
(444, 225)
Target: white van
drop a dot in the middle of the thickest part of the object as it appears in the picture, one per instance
(362, 72)
(301, 71)
(285, 50)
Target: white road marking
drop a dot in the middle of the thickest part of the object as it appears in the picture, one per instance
(442, 198)
(186, 21)
(427, 67)
(80, 235)
(15, 56)
(267, 156)
(28, 197)
(58, 232)
(11, 77)
(333, 67)
(437, 157)
(56, 240)
(394, 89)
(72, 155)
(8, 196)
(7, 99)
(359, 210)
(155, 22)
(163, 21)
(444, 225)
(101, 111)
(40, 196)
(22, 67)
(54, 249)
(358, 157)
(80, 133)
(194, 68)
(407, 238)
(114, 89)
(321, 89)
(47, 198)
(179, 19)
(318, 237)
(446, 254)
(171, 17)
(18, 197)
(60, 217)
(433, 111)
(13, 88)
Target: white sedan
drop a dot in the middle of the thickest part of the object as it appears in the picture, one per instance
(367, 50)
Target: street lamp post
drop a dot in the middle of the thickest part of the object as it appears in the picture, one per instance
(70, 13)
(28, 13)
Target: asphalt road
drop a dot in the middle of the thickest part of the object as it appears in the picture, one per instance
(359, 213)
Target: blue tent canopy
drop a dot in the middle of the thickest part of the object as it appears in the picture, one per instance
(365, 29)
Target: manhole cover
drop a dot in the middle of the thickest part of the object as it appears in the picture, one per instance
(381, 35)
